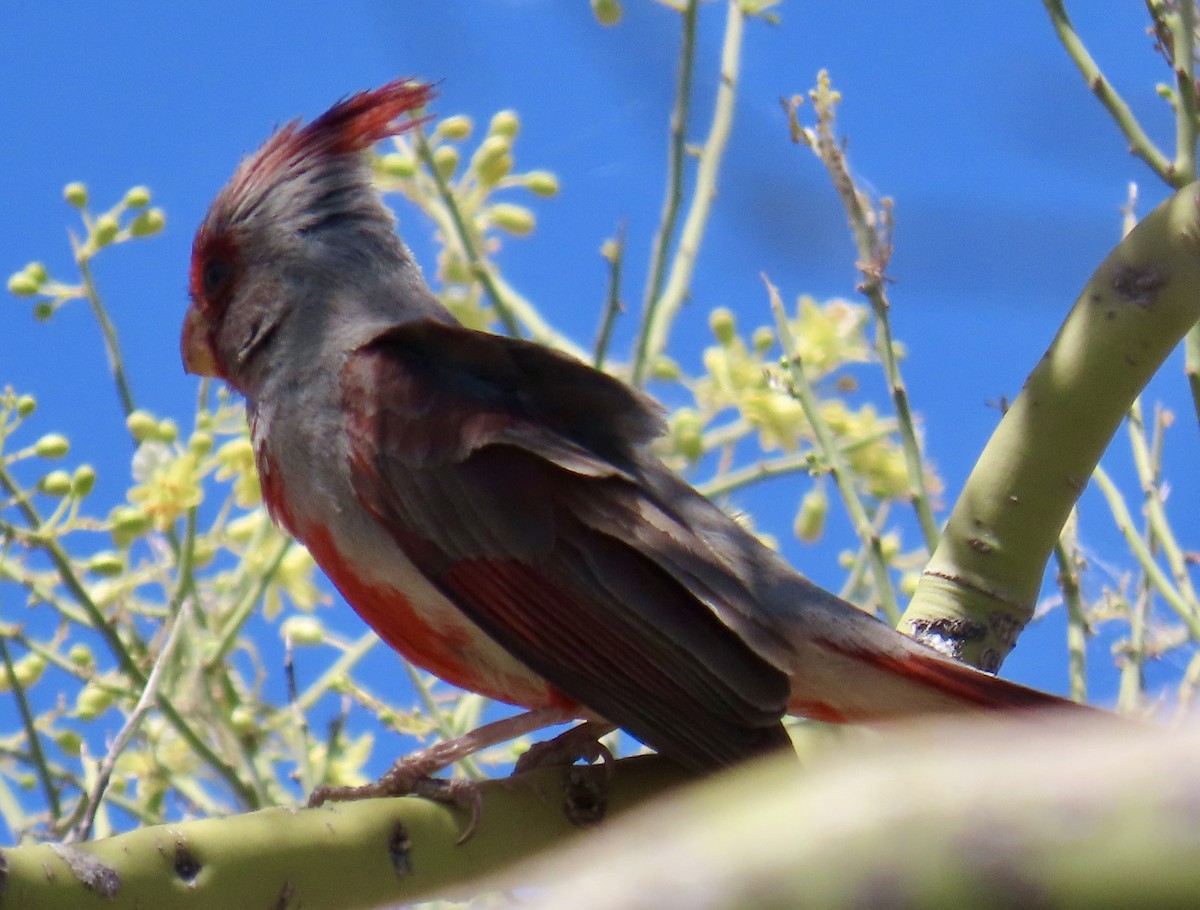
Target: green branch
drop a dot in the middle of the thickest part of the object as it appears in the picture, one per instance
(985, 575)
(1140, 144)
(400, 850)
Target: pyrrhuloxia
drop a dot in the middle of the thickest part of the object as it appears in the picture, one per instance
(489, 506)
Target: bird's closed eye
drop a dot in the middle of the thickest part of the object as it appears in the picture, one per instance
(216, 275)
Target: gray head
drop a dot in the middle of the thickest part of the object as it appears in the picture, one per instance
(298, 222)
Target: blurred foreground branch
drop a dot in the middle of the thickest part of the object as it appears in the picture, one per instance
(1056, 810)
(1056, 814)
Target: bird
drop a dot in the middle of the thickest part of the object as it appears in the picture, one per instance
(492, 507)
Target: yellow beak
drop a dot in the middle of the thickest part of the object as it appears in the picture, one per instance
(196, 345)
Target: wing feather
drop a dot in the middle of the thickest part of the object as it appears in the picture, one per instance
(513, 476)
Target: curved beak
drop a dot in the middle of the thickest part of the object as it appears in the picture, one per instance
(196, 345)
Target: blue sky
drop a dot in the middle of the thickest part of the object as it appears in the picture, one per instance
(1007, 177)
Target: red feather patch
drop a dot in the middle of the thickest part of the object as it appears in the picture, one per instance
(352, 125)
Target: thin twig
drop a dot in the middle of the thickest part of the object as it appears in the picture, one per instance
(615, 257)
(1140, 144)
(725, 482)
(1121, 515)
(479, 266)
(80, 830)
(37, 756)
(676, 157)
(661, 312)
(872, 231)
(842, 476)
(245, 607)
(1159, 531)
(1070, 568)
(108, 331)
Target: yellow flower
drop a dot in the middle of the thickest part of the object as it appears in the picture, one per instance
(170, 484)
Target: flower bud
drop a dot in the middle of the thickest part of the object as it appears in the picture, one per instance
(542, 183)
(141, 425)
(148, 223)
(70, 742)
(763, 339)
(138, 197)
(242, 720)
(22, 284)
(106, 564)
(889, 546)
(83, 480)
(456, 270)
(723, 325)
(76, 194)
(516, 219)
(43, 311)
(445, 160)
(456, 128)
(29, 669)
(127, 524)
(505, 123)
(26, 405)
(810, 518)
(81, 655)
(687, 431)
(52, 445)
(397, 164)
(243, 528)
(200, 443)
(166, 431)
(92, 701)
(56, 483)
(105, 230)
(607, 12)
(37, 271)
(665, 368)
(203, 552)
(493, 160)
(303, 630)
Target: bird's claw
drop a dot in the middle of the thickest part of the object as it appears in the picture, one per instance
(580, 742)
(410, 778)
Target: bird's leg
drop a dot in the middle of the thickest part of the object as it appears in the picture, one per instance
(411, 776)
(582, 741)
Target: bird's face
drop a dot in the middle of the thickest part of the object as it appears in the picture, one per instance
(281, 233)
(214, 279)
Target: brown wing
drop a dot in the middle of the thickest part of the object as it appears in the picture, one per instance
(512, 476)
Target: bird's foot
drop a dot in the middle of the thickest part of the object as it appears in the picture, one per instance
(585, 787)
(413, 776)
(580, 742)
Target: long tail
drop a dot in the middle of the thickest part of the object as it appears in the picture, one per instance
(864, 671)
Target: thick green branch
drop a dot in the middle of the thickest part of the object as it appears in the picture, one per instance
(983, 580)
(344, 856)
